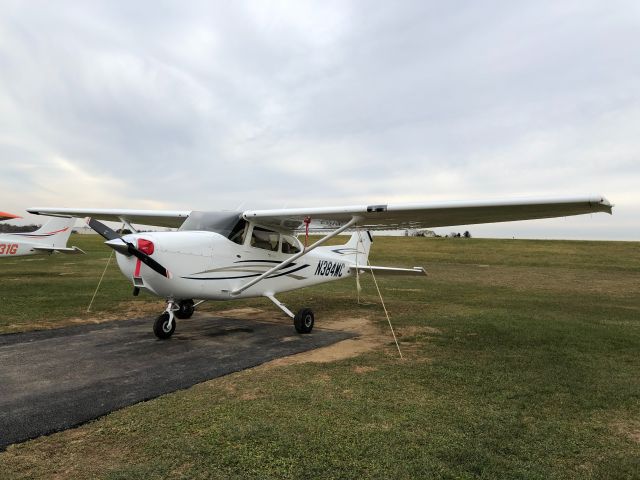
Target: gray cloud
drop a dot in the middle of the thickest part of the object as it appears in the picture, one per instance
(216, 104)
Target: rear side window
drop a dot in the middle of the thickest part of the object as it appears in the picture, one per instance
(265, 239)
(290, 244)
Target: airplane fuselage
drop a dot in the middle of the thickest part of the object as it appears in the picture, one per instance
(14, 246)
(209, 266)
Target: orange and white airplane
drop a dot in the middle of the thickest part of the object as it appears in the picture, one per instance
(51, 237)
(8, 216)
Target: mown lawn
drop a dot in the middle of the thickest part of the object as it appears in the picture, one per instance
(522, 360)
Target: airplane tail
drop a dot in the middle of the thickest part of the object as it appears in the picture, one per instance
(54, 233)
(357, 251)
(357, 248)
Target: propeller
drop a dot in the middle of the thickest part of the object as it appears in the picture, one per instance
(131, 249)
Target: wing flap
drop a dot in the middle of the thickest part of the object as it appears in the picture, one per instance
(159, 218)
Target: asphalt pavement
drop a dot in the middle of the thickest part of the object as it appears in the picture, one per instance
(51, 380)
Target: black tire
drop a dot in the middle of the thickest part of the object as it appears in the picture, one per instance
(160, 326)
(185, 310)
(303, 321)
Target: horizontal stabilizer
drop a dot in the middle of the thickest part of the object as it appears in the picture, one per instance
(72, 250)
(389, 270)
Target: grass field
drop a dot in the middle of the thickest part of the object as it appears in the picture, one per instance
(522, 360)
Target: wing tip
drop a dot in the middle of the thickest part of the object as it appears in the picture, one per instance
(605, 205)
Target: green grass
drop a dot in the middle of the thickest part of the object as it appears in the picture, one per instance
(535, 374)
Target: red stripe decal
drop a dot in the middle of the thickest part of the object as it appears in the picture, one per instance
(36, 235)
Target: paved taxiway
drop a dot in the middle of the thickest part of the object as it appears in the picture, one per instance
(54, 379)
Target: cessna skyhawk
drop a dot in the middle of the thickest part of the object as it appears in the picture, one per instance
(255, 253)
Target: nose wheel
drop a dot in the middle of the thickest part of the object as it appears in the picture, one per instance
(165, 324)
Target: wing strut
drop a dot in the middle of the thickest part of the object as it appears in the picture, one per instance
(294, 257)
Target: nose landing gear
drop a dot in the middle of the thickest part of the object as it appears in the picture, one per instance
(165, 324)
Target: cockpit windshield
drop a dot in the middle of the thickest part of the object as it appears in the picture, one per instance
(228, 224)
(232, 226)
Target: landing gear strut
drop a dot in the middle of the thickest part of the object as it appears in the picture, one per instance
(165, 324)
(302, 321)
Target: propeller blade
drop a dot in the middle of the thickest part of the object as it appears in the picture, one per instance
(111, 234)
(102, 229)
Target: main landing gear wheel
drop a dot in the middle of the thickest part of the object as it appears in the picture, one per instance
(185, 309)
(164, 326)
(303, 321)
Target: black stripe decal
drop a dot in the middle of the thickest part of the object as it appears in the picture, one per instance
(290, 271)
(247, 276)
(263, 261)
(221, 278)
(346, 251)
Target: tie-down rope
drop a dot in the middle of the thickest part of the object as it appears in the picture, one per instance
(100, 282)
(103, 272)
(395, 339)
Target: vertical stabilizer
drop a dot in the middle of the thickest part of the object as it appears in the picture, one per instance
(54, 233)
(357, 248)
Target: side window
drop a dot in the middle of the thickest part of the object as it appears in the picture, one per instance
(290, 245)
(266, 239)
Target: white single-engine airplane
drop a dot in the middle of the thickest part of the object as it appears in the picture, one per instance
(227, 255)
(51, 237)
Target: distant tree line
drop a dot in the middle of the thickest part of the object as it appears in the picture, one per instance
(466, 234)
(8, 228)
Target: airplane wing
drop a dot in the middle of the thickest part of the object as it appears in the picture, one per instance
(428, 215)
(160, 218)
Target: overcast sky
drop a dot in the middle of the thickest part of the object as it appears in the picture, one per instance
(218, 105)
